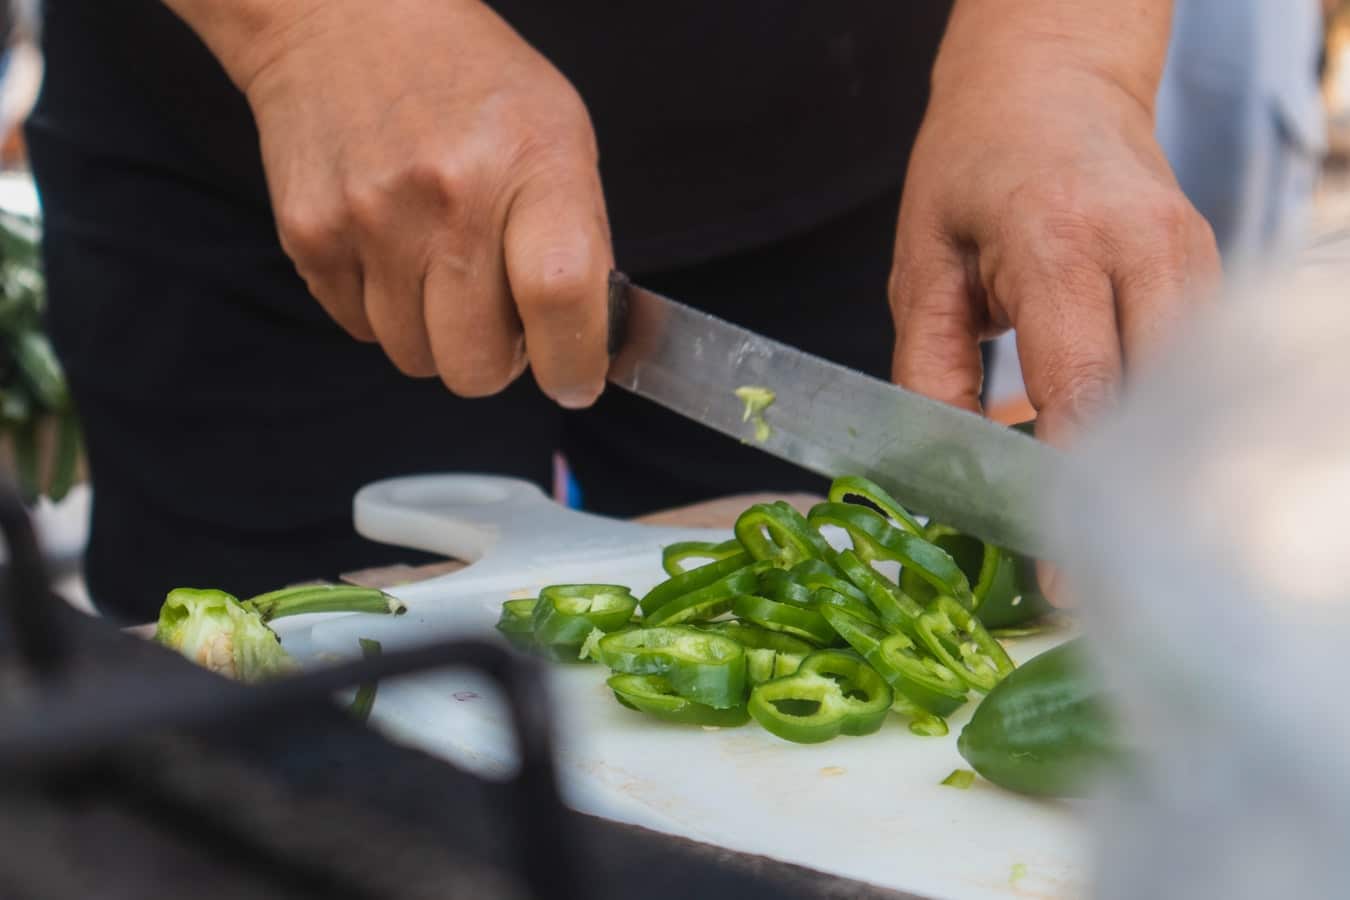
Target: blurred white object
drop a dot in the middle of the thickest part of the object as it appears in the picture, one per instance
(1205, 530)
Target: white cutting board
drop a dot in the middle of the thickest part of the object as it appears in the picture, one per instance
(868, 808)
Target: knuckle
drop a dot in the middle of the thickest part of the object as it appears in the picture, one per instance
(366, 203)
(561, 284)
(310, 234)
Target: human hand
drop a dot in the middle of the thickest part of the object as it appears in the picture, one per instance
(434, 180)
(1038, 199)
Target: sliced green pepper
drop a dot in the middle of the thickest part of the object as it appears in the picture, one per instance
(695, 579)
(780, 585)
(707, 602)
(752, 637)
(898, 611)
(857, 486)
(788, 618)
(911, 672)
(827, 596)
(704, 667)
(777, 533)
(654, 695)
(566, 613)
(517, 622)
(768, 654)
(957, 638)
(833, 692)
(817, 573)
(674, 554)
(876, 539)
(1005, 589)
(921, 721)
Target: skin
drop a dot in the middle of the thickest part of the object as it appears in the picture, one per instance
(435, 181)
(1038, 199)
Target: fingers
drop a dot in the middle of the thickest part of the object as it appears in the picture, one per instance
(1062, 305)
(558, 260)
(937, 322)
(1163, 271)
(473, 329)
(321, 249)
(394, 306)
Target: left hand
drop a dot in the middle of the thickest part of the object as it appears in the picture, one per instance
(1038, 199)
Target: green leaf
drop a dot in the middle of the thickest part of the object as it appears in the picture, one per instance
(67, 457)
(26, 461)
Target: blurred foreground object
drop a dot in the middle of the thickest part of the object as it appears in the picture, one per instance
(1203, 530)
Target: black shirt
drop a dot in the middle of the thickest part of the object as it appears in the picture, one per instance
(751, 154)
(721, 123)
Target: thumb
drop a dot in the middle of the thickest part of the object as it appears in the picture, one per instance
(937, 325)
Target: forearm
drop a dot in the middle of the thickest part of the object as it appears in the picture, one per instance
(1124, 40)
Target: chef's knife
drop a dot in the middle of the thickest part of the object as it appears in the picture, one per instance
(951, 465)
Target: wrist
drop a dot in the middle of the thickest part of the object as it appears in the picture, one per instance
(1122, 43)
(246, 35)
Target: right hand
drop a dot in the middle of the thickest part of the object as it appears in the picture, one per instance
(435, 181)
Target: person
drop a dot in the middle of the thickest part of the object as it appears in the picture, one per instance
(1241, 121)
(294, 246)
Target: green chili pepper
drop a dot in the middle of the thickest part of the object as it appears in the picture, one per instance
(653, 695)
(848, 603)
(902, 663)
(777, 533)
(768, 654)
(856, 486)
(833, 692)
(876, 539)
(317, 598)
(516, 623)
(709, 601)
(364, 700)
(898, 611)
(1046, 729)
(780, 585)
(817, 573)
(1005, 589)
(695, 579)
(704, 667)
(921, 721)
(673, 555)
(566, 613)
(788, 618)
(957, 638)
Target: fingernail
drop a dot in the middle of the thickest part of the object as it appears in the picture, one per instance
(577, 398)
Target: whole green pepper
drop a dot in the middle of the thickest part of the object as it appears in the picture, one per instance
(1045, 730)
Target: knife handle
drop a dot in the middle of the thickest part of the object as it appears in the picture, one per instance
(618, 311)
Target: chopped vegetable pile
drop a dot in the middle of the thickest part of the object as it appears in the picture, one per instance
(777, 626)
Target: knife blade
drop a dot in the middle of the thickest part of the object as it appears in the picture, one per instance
(946, 463)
